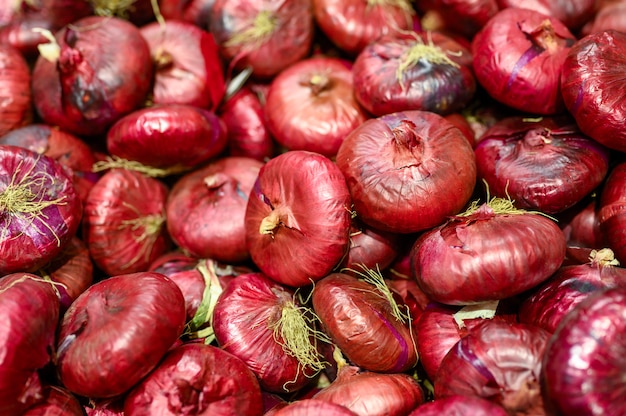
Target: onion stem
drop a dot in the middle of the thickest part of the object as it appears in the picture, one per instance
(263, 25)
(270, 223)
(113, 162)
(604, 257)
(50, 50)
(204, 314)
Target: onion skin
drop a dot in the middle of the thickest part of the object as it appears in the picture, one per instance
(581, 227)
(583, 366)
(499, 361)
(30, 310)
(574, 14)
(305, 195)
(57, 401)
(487, 256)
(117, 331)
(197, 12)
(459, 405)
(197, 379)
(611, 211)
(592, 87)
(407, 171)
(463, 17)
(370, 248)
(546, 165)
(16, 106)
(608, 17)
(313, 407)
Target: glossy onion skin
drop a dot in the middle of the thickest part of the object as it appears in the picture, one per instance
(29, 239)
(407, 171)
(308, 194)
(117, 331)
(359, 320)
(370, 247)
(197, 379)
(458, 405)
(499, 361)
(546, 165)
(311, 105)
(425, 85)
(30, 315)
(611, 213)
(525, 74)
(486, 256)
(592, 85)
(15, 97)
(583, 366)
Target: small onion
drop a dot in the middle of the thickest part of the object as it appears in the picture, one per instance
(16, 105)
(611, 214)
(459, 405)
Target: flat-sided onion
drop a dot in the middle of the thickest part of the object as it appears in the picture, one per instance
(407, 171)
(459, 405)
(16, 106)
(611, 214)
(117, 331)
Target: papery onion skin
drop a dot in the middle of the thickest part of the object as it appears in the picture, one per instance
(459, 405)
(40, 210)
(104, 71)
(487, 256)
(298, 218)
(407, 171)
(465, 17)
(546, 165)
(593, 89)
(360, 321)
(117, 331)
(16, 105)
(583, 365)
(611, 214)
(30, 310)
(526, 74)
(57, 401)
(197, 379)
(312, 407)
(574, 14)
(499, 361)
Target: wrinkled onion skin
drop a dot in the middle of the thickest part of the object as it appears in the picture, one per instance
(592, 85)
(499, 361)
(57, 401)
(407, 171)
(16, 106)
(117, 331)
(310, 195)
(546, 165)
(359, 320)
(30, 311)
(611, 213)
(583, 366)
(313, 407)
(197, 379)
(458, 405)
(573, 13)
(488, 257)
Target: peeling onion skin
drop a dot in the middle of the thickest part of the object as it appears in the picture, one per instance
(117, 331)
(407, 171)
(16, 105)
(611, 213)
(458, 406)
(499, 361)
(197, 379)
(583, 366)
(486, 256)
(313, 407)
(546, 165)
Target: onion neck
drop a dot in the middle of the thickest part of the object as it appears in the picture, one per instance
(220, 182)
(545, 37)
(318, 83)
(603, 258)
(408, 144)
(538, 137)
(263, 26)
(426, 52)
(163, 59)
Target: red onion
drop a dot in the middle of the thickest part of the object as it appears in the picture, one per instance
(30, 311)
(583, 366)
(525, 75)
(581, 227)
(117, 331)
(99, 71)
(105, 407)
(499, 361)
(491, 252)
(611, 211)
(411, 295)
(592, 87)
(206, 209)
(608, 17)
(298, 218)
(572, 13)
(464, 125)
(414, 71)
(353, 24)
(311, 105)
(265, 35)
(197, 379)
(465, 17)
(545, 164)
(16, 106)
(197, 12)
(370, 248)
(57, 401)
(459, 405)
(407, 171)
(313, 407)
(124, 221)
(40, 210)
(188, 65)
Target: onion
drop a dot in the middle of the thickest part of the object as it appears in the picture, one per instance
(459, 405)
(491, 252)
(499, 361)
(526, 74)
(608, 17)
(206, 209)
(188, 65)
(265, 35)
(30, 310)
(298, 218)
(572, 13)
(197, 379)
(57, 401)
(581, 227)
(312, 407)
(197, 12)
(370, 248)
(592, 89)
(465, 17)
(411, 295)
(583, 366)
(117, 331)
(414, 71)
(407, 171)
(97, 70)
(545, 164)
(311, 105)
(353, 24)
(611, 211)
(16, 106)
(40, 210)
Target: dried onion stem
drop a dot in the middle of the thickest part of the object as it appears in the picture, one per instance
(151, 226)
(263, 25)
(115, 162)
